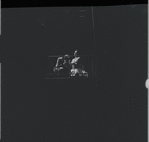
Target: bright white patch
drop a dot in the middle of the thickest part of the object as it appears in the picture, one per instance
(147, 83)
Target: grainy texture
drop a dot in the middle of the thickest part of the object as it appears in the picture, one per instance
(74, 110)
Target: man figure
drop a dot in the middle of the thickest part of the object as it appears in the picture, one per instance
(59, 65)
(66, 65)
(63, 65)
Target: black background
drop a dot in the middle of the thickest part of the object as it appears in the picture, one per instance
(111, 107)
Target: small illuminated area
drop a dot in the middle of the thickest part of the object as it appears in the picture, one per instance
(70, 66)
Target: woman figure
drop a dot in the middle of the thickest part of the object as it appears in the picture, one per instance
(77, 68)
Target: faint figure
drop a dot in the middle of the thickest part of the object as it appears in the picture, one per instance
(63, 66)
(66, 65)
(75, 61)
(77, 66)
(59, 65)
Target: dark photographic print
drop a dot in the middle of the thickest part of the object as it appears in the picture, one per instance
(74, 74)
